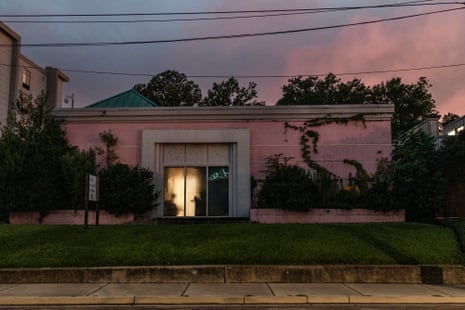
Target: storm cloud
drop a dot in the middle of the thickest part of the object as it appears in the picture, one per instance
(427, 41)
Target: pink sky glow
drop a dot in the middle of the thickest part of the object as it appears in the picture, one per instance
(433, 40)
(390, 45)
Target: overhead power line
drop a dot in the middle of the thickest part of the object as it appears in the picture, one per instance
(157, 20)
(282, 76)
(354, 73)
(401, 4)
(232, 36)
(269, 13)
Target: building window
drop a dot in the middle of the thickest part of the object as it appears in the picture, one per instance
(26, 79)
(196, 179)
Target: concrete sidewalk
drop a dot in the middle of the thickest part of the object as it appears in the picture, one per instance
(139, 294)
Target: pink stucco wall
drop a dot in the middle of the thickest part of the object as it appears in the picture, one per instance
(336, 143)
(68, 217)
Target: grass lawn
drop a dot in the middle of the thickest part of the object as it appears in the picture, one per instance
(238, 243)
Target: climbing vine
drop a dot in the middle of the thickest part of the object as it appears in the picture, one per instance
(309, 137)
(367, 191)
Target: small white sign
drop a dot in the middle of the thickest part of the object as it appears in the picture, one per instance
(93, 193)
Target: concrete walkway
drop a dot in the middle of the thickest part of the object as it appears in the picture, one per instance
(138, 294)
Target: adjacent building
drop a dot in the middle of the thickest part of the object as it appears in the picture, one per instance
(20, 74)
(454, 127)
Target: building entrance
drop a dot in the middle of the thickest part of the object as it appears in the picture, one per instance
(196, 179)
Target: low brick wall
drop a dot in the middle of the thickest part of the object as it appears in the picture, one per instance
(68, 217)
(279, 216)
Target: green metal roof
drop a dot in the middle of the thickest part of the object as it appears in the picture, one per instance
(127, 99)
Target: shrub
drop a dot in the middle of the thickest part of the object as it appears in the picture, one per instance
(76, 165)
(287, 186)
(370, 191)
(125, 189)
(344, 199)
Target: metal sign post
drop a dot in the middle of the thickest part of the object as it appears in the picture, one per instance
(92, 194)
(86, 203)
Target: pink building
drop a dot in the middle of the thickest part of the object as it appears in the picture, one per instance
(203, 158)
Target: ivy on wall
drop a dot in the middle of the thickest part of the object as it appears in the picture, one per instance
(369, 191)
(309, 137)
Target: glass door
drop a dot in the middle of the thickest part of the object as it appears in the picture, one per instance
(195, 191)
(218, 191)
(196, 180)
(188, 192)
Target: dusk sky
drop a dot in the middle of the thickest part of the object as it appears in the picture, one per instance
(434, 40)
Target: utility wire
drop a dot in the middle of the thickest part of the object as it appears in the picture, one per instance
(232, 36)
(259, 76)
(402, 4)
(289, 12)
(159, 20)
(282, 76)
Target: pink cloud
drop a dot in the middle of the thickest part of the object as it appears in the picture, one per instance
(420, 42)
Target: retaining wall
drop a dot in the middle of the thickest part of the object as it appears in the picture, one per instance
(414, 274)
(279, 216)
(68, 217)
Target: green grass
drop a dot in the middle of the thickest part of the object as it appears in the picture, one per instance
(72, 246)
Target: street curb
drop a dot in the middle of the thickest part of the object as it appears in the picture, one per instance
(413, 274)
(406, 300)
(275, 300)
(188, 300)
(226, 300)
(78, 300)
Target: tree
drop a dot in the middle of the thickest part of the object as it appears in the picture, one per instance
(413, 103)
(229, 93)
(452, 158)
(31, 148)
(452, 165)
(327, 91)
(171, 88)
(76, 165)
(449, 118)
(110, 141)
(418, 182)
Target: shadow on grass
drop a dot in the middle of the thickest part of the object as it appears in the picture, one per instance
(458, 227)
(381, 245)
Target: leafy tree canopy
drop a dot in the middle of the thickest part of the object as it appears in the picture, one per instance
(412, 102)
(418, 183)
(31, 148)
(229, 93)
(330, 90)
(40, 171)
(452, 157)
(449, 117)
(171, 88)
